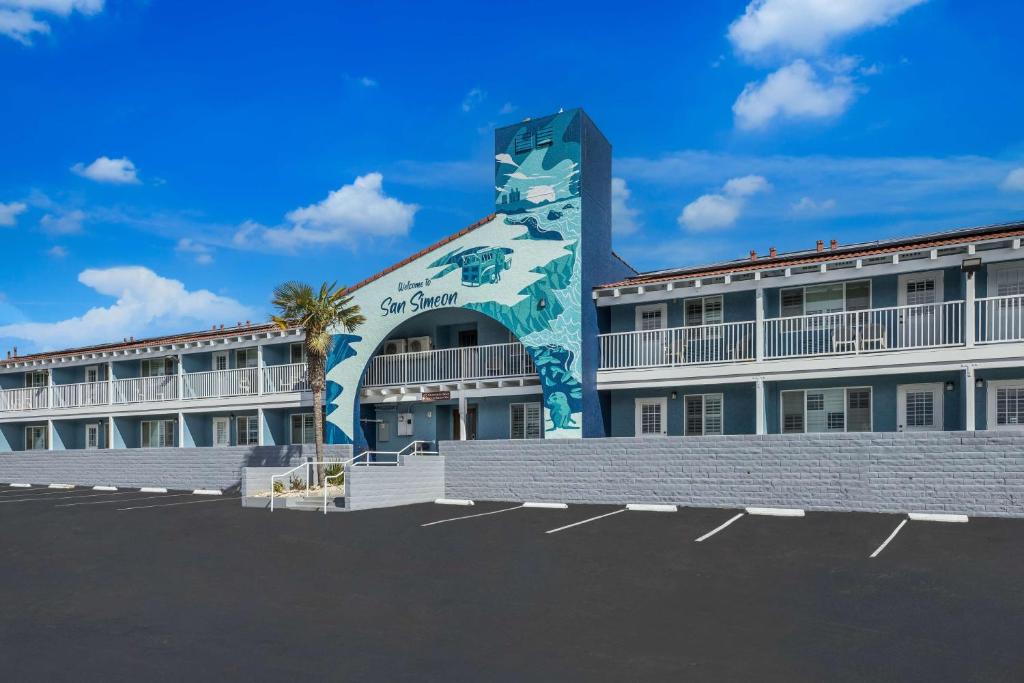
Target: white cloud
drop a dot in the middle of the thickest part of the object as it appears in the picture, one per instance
(63, 224)
(808, 26)
(146, 304)
(19, 19)
(807, 205)
(1013, 182)
(367, 82)
(624, 217)
(203, 253)
(348, 215)
(9, 213)
(473, 98)
(792, 92)
(106, 170)
(721, 210)
(507, 108)
(57, 251)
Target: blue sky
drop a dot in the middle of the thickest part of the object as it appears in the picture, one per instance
(164, 164)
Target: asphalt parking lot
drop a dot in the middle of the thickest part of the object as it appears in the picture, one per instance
(130, 585)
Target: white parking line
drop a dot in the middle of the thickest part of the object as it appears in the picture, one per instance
(30, 496)
(718, 528)
(479, 514)
(584, 521)
(104, 488)
(121, 500)
(168, 505)
(208, 492)
(650, 507)
(61, 486)
(891, 536)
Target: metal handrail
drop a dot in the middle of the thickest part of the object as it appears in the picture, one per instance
(298, 467)
(365, 454)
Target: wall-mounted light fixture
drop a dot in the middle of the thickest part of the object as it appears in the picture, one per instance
(971, 265)
(674, 395)
(949, 386)
(979, 383)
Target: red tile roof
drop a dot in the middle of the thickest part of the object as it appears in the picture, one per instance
(179, 338)
(842, 253)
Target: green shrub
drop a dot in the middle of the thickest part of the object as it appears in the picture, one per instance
(334, 470)
(297, 484)
(278, 486)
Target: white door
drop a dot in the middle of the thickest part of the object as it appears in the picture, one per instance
(651, 322)
(651, 417)
(220, 360)
(92, 436)
(919, 407)
(221, 431)
(922, 325)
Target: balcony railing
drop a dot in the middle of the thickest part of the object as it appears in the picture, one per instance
(1000, 319)
(721, 343)
(896, 328)
(443, 365)
(276, 379)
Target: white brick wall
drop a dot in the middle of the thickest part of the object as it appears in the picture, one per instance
(980, 473)
(420, 479)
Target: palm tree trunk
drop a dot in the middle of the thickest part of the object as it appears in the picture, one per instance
(316, 364)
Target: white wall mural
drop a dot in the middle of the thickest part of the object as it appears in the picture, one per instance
(522, 268)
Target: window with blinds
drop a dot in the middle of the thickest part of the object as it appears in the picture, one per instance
(302, 428)
(525, 420)
(826, 410)
(703, 414)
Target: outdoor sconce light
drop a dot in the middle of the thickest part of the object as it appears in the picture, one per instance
(542, 304)
(971, 265)
(674, 396)
(430, 414)
(949, 386)
(979, 383)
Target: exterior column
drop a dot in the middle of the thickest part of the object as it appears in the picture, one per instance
(181, 423)
(259, 426)
(49, 388)
(759, 405)
(970, 331)
(181, 378)
(49, 435)
(110, 431)
(759, 325)
(462, 417)
(969, 417)
(259, 379)
(110, 387)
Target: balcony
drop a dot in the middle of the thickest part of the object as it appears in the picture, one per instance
(877, 330)
(274, 379)
(495, 361)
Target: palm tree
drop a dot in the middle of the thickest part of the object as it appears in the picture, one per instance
(317, 314)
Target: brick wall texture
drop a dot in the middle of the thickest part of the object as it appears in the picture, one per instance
(419, 479)
(977, 473)
(177, 468)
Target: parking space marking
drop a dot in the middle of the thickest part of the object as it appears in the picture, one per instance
(936, 517)
(121, 500)
(891, 536)
(584, 521)
(650, 507)
(479, 514)
(61, 486)
(21, 486)
(40, 498)
(45, 496)
(153, 489)
(104, 488)
(776, 512)
(187, 502)
(208, 492)
(718, 528)
(453, 501)
(549, 506)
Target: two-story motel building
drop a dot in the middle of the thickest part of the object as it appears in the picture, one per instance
(526, 325)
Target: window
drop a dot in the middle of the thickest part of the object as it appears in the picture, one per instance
(159, 433)
(302, 428)
(826, 410)
(35, 379)
(35, 438)
(703, 414)
(525, 421)
(221, 431)
(1005, 404)
(297, 353)
(246, 358)
(651, 317)
(248, 430)
(158, 367)
(650, 416)
(92, 436)
(703, 311)
(1009, 279)
(828, 298)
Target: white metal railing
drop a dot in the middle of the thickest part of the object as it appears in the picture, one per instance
(28, 398)
(79, 395)
(440, 365)
(279, 379)
(878, 329)
(145, 389)
(308, 474)
(720, 343)
(219, 383)
(999, 319)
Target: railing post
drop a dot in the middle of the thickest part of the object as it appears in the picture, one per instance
(110, 382)
(49, 388)
(969, 310)
(181, 377)
(259, 372)
(759, 324)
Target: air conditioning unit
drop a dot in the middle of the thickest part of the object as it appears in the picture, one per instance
(418, 344)
(392, 346)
